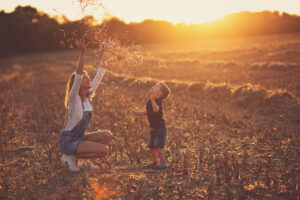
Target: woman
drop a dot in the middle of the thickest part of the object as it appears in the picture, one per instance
(74, 142)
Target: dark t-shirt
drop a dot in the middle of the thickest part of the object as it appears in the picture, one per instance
(155, 119)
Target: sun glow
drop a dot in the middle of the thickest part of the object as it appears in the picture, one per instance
(176, 11)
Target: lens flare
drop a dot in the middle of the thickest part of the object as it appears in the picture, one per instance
(101, 192)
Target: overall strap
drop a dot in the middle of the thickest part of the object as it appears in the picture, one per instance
(82, 104)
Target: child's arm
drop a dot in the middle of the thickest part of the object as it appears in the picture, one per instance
(139, 114)
(154, 105)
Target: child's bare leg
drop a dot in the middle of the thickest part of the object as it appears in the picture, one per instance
(161, 154)
(154, 154)
(87, 149)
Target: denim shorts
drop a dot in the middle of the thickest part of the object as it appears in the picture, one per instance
(157, 138)
(68, 144)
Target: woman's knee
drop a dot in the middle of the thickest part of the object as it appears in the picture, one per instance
(104, 150)
(108, 136)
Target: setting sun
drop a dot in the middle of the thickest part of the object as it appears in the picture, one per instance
(193, 11)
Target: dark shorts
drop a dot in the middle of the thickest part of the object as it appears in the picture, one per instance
(157, 138)
(68, 144)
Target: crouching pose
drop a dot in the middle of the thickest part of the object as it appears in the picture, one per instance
(75, 143)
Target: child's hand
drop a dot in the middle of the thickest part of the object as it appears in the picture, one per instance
(133, 112)
(138, 114)
(152, 94)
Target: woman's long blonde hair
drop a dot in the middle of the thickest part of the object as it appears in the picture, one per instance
(69, 86)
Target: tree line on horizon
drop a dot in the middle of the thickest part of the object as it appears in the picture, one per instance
(27, 30)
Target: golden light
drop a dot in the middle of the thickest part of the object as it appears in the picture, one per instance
(101, 192)
(176, 11)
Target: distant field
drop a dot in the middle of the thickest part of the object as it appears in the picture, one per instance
(233, 123)
(269, 61)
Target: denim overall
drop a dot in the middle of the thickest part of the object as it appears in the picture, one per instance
(69, 140)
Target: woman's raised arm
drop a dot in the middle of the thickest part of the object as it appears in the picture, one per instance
(79, 71)
(82, 46)
(96, 81)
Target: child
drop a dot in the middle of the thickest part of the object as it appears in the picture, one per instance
(158, 130)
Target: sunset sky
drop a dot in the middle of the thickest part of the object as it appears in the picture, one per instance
(176, 11)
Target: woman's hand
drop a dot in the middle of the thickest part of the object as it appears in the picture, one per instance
(81, 45)
(103, 61)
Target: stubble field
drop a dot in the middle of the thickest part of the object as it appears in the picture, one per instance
(233, 123)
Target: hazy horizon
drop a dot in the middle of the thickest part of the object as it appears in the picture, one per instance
(176, 12)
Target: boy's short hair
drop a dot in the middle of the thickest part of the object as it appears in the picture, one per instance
(165, 90)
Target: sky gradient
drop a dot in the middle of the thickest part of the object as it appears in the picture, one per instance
(176, 11)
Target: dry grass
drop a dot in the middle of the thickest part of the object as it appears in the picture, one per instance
(226, 140)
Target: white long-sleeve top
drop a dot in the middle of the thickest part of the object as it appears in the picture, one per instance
(75, 110)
